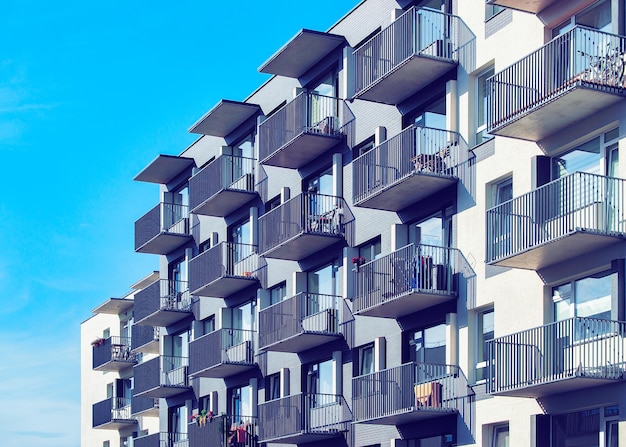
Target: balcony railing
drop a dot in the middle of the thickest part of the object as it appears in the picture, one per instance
(300, 322)
(235, 430)
(304, 129)
(222, 186)
(163, 376)
(222, 353)
(224, 269)
(410, 279)
(421, 45)
(582, 57)
(410, 392)
(112, 413)
(113, 354)
(162, 229)
(145, 339)
(408, 167)
(588, 206)
(302, 418)
(144, 406)
(304, 225)
(162, 439)
(162, 303)
(561, 356)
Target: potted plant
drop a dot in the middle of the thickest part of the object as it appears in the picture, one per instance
(97, 342)
(358, 261)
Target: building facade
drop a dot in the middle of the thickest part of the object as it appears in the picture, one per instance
(411, 235)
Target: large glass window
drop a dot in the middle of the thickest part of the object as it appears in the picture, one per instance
(320, 382)
(500, 436)
(482, 106)
(433, 115)
(596, 156)
(272, 387)
(366, 359)
(597, 16)
(581, 429)
(241, 402)
(177, 421)
(428, 345)
(484, 333)
(587, 297)
(278, 293)
(240, 248)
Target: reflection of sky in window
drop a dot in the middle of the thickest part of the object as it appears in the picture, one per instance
(585, 158)
(593, 296)
(431, 230)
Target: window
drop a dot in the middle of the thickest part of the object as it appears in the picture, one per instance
(482, 106)
(596, 156)
(597, 17)
(272, 387)
(204, 403)
(240, 248)
(363, 147)
(321, 183)
(432, 115)
(177, 419)
(428, 345)
(320, 383)
(241, 402)
(243, 322)
(106, 443)
(587, 297)
(278, 293)
(484, 333)
(500, 436)
(366, 359)
(208, 325)
(370, 250)
(490, 11)
(272, 203)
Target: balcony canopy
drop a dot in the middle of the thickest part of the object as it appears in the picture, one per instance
(164, 168)
(114, 306)
(301, 53)
(225, 117)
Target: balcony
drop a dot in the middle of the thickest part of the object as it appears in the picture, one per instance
(407, 280)
(163, 376)
(566, 8)
(222, 353)
(416, 49)
(304, 225)
(162, 303)
(145, 339)
(569, 79)
(237, 430)
(112, 354)
(413, 165)
(301, 322)
(163, 229)
(223, 186)
(302, 418)
(304, 129)
(558, 221)
(112, 414)
(410, 393)
(162, 439)
(564, 356)
(144, 406)
(224, 270)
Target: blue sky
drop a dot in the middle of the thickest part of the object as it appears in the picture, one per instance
(90, 93)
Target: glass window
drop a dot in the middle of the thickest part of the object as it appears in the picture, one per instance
(327, 86)
(370, 250)
(433, 115)
(278, 293)
(240, 249)
(501, 436)
(484, 333)
(581, 428)
(241, 402)
(366, 359)
(597, 16)
(586, 297)
(208, 325)
(482, 106)
(324, 280)
(177, 420)
(272, 387)
(491, 10)
(429, 345)
(320, 381)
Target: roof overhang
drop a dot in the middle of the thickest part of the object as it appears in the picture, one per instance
(114, 306)
(224, 118)
(164, 169)
(301, 53)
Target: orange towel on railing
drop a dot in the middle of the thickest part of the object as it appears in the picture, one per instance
(428, 394)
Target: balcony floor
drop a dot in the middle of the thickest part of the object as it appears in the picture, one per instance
(407, 303)
(546, 118)
(405, 192)
(575, 244)
(304, 437)
(225, 286)
(115, 366)
(405, 80)
(117, 424)
(164, 243)
(222, 370)
(532, 6)
(301, 150)
(409, 416)
(152, 347)
(572, 383)
(163, 391)
(224, 202)
(302, 246)
(301, 342)
(164, 318)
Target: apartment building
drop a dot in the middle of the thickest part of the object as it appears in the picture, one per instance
(110, 346)
(411, 235)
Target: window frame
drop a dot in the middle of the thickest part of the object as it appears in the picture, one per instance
(480, 130)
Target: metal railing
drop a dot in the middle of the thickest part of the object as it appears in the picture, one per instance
(303, 413)
(417, 32)
(306, 213)
(163, 218)
(226, 172)
(112, 409)
(411, 387)
(413, 268)
(175, 296)
(142, 335)
(576, 347)
(140, 404)
(113, 349)
(578, 201)
(220, 347)
(304, 312)
(174, 371)
(307, 113)
(227, 259)
(172, 439)
(581, 56)
(224, 430)
(415, 150)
